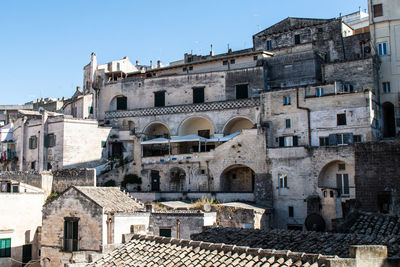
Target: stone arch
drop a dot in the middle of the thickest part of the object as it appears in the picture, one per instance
(197, 125)
(389, 125)
(177, 179)
(338, 175)
(237, 178)
(119, 102)
(237, 124)
(156, 129)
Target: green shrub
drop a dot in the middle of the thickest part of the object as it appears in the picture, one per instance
(109, 183)
(131, 179)
(51, 196)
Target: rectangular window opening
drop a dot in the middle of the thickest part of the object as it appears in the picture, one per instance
(341, 119)
(297, 39)
(378, 10)
(291, 211)
(159, 99)
(198, 95)
(242, 91)
(5, 248)
(71, 234)
(166, 232)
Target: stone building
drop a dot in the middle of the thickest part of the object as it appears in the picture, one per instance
(20, 222)
(384, 22)
(47, 140)
(275, 123)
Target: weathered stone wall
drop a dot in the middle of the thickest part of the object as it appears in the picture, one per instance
(63, 179)
(377, 174)
(190, 223)
(76, 205)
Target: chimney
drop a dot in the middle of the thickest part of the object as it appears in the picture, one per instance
(137, 62)
(151, 64)
(78, 88)
(211, 52)
(159, 65)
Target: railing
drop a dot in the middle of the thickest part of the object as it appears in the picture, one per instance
(187, 108)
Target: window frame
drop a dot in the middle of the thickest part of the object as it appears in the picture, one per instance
(282, 181)
(297, 39)
(383, 49)
(343, 184)
(319, 91)
(33, 142)
(377, 10)
(71, 223)
(287, 100)
(269, 45)
(198, 94)
(242, 93)
(288, 123)
(341, 119)
(386, 87)
(161, 101)
(122, 103)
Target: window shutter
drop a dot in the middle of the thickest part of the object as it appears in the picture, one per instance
(346, 184)
(281, 142)
(349, 139)
(295, 140)
(332, 140)
(65, 234)
(75, 235)
(339, 183)
(46, 141)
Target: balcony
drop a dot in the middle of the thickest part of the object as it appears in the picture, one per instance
(187, 108)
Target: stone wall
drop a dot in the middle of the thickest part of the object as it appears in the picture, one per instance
(377, 176)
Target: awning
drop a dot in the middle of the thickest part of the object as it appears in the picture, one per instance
(228, 137)
(188, 138)
(155, 141)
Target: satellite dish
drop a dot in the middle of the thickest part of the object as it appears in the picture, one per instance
(315, 222)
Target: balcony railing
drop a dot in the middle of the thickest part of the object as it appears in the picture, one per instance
(187, 108)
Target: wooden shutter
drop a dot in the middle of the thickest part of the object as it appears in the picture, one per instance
(46, 140)
(332, 140)
(346, 190)
(295, 140)
(339, 183)
(75, 235)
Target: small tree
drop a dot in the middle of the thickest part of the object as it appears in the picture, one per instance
(131, 179)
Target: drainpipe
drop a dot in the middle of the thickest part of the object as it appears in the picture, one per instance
(178, 224)
(109, 229)
(308, 117)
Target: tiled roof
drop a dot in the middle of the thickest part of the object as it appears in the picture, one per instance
(112, 199)
(374, 224)
(309, 242)
(162, 251)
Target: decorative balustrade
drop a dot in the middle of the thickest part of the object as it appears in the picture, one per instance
(187, 108)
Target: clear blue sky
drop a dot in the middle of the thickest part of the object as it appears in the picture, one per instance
(45, 44)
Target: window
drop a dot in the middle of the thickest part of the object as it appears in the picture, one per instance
(5, 247)
(15, 188)
(288, 141)
(225, 62)
(269, 45)
(159, 99)
(71, 234)
(6, 187)
(189, 59)
(184, 69)
(378, 10)
(347, 88)
(340, 139)
(356, 138)
(204, 133)
(282, 181)
(386, 87)
(341, 119)
(32, 142)
(232, 61)
(90, 110)
(103, 144)
(291, 211)
(341, 167)
(122, 103)
(297, 39)
(324, 141)
(287, 100)
(319, 91)
(288, 123)
(165, 232)
(49, 140)
(382, 49)
(198, 95)
(342, 183)
(255, 57)
(191, 68)
(33, 165)
(242, 91)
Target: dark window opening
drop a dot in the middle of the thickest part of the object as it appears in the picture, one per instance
(26, 254)
(71, 234)
(342, 167)
(184, 69)
(204, 133)
(191, 68)
(389, 124)
(386, 87)
(159, 99)
(297, 39)
(341, 119)
(295, 227)
(225, 62)
(33, 165)
(342, 182)
(32, 142)
(198, 95)
(291, 211)
(288, 123)
(242, 91)
(384, 201)
(122, 103)
(233, 61)
(255, 57)
(324, 141)
(50, 140)
(90, 110)
(165, 232)
(378, 10)
(357, 138)
(287, 100)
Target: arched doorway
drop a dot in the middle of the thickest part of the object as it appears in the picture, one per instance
(119, 102)
(156, 130)
(237, 124)
(237, 178)
(198, 126)
(177, 178)
(389, 125)
(338, 175)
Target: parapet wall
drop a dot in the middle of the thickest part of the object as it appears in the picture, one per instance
(53, 181)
